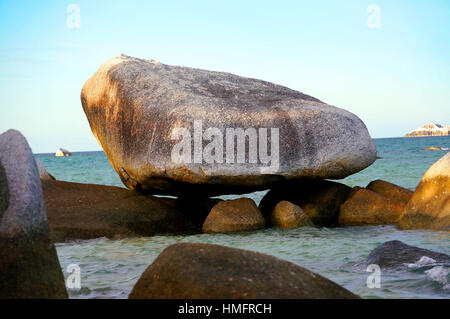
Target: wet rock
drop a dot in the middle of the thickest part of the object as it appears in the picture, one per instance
(190, 271)
(395, 254)
(43, 174)
(429, 207)
(84, 211)
(136, 109)
(234, 215)
(390, 190)
(29, 265)
(288, 215)
(319, 199)
(369, 208)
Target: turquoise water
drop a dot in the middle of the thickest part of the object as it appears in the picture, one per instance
(110, 268)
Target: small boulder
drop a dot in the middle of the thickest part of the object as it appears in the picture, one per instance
(29, 265)
(429, 207)
(192, 270)
(319, 199)
(43, 174)
(84, 211)
(369, 208)
(234, 215)
(390, 190)
(288, 215)
(396, 254)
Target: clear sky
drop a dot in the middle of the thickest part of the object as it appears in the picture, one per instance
(395, 75)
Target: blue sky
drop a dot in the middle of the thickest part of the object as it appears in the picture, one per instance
(395, 78)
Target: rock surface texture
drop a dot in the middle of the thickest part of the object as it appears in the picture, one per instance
(429, 207)
(29, 265)
(234, 215)
(366, 207)
(84, 211)
(190, 271)
(288, 215)
(136, 108)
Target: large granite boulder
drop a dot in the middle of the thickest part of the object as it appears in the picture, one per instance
(164, 127)
(29, 265)
(429, 207)
(84, 211)
(320, 200)
(191, 271)
(233, 216)
(396, 254)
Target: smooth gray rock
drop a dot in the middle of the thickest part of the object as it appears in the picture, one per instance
(134, 106)
(29, 266)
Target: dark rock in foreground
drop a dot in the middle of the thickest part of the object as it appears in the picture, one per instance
(29, 266)
(135, 106)
(233, 216)
(191, 271)
(394, 254)
(320, 200)
(429, 207)
(84, 211)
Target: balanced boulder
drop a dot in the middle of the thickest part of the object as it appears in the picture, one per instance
(288, 215)
(429, 207)
(84, 211)
(166, 127)
(29, 265)
(191, 271)
(234, 215)
(366, 207)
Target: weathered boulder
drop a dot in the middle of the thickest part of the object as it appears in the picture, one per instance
(396, 254)
(390, 190)
(234, 215)
(43, 174)
(319, 199)
(29, 265)
(288, 215)
(164, 127)
(429, 207)
(369, 208)
(191, 271)
(84, 211)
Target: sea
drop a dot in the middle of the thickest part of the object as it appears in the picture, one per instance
(109, 268)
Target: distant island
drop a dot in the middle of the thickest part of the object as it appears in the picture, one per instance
(430, 129)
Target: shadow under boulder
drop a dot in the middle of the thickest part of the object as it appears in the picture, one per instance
(191, 271)
(319, 199)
